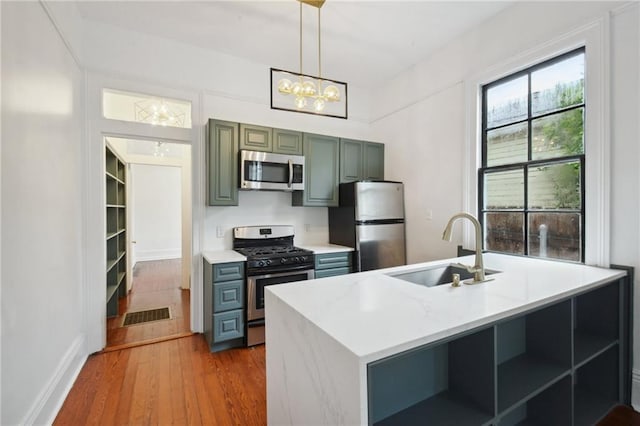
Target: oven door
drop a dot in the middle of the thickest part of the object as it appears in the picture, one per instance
(256, 285)
(264, 170)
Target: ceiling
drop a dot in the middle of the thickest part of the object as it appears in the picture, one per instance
(363, 42)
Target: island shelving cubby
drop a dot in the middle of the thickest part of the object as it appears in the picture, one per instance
(563, 363)
(116, 234)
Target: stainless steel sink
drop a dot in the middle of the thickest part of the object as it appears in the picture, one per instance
(436, 275)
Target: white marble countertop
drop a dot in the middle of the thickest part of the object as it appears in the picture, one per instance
(324, 248)
(222, 256)
(374, 315)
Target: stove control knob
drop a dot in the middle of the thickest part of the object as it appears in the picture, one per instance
(267, 262)
(261, 263)
(283, 260)
(303, 258)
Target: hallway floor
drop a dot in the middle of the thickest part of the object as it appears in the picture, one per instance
(174, 382)
(156, 284)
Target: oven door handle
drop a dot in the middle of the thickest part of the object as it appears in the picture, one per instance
(291, 270)
(290, 173)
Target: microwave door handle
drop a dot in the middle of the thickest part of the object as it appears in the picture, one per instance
(290, 174)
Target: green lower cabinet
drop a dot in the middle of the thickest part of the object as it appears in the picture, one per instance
(224, 305)
(228, 325)
(332, 272)
(321, 154)
(228, 295)
(332, 264)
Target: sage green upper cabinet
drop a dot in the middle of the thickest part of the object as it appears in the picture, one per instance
(256, 138)
(321, 154)
(360, 160)
(373, 161)
(351, 156)
(222, 155)
(287, 142)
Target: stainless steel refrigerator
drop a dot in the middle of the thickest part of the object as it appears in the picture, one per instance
(370, 218)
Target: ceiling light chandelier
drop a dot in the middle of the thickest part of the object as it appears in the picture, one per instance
(307, 88)
(160, 150)
(158, 113)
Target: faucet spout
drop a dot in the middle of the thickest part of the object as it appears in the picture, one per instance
(478, 268)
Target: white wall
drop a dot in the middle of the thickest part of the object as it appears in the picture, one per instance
(420, 115)
(42, 289)
(625, 155)
(156, 211)
(265, 208)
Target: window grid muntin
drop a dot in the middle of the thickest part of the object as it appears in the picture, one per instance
(530, 163)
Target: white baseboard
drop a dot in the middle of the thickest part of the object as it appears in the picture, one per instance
(159, 254)
(635, 389)
(50, 400)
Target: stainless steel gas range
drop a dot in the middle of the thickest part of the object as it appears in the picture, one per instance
(271, 259)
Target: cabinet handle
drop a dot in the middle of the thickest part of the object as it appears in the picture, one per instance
(290, 173)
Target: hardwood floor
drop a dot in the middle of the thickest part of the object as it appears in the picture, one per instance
(181, 382)
(621, 416)
(155, 284)
(173, 382)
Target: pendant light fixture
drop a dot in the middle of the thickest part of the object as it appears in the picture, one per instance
(306, 90)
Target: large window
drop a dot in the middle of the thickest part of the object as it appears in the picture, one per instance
(532, 177)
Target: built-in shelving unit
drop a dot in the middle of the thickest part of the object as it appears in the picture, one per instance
(562, 364)
(116, 234)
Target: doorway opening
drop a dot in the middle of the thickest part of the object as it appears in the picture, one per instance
(157, 240)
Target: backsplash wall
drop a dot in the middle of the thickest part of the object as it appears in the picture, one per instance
(265, 208)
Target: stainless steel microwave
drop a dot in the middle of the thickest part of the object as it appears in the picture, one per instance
(266, 170)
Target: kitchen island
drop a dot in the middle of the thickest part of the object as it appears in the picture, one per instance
(542, 337)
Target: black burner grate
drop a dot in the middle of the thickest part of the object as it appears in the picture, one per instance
(133, 318)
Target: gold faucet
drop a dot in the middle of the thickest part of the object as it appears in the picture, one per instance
(478, 268)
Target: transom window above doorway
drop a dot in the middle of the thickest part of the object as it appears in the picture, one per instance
(141, 108)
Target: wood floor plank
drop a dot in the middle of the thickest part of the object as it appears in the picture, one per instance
(124, 394)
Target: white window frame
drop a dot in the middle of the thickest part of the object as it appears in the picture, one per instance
(594, 37)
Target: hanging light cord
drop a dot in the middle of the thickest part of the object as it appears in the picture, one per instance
(319, 60)
(301, 39)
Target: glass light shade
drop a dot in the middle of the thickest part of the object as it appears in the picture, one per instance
(301, 102)
(284, 86)
(318, 104)
(309, 89)
(332, 93)
(297, 88)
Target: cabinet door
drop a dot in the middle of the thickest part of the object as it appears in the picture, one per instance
(228, 271)
(373, 161)
(255, 138)
(321, 172)
(287, 142)
(228, 325)
(351, 160)
(228, 295)
(333, 260)
(223, 163)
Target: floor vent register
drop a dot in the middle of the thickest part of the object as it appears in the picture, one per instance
(133, 318)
